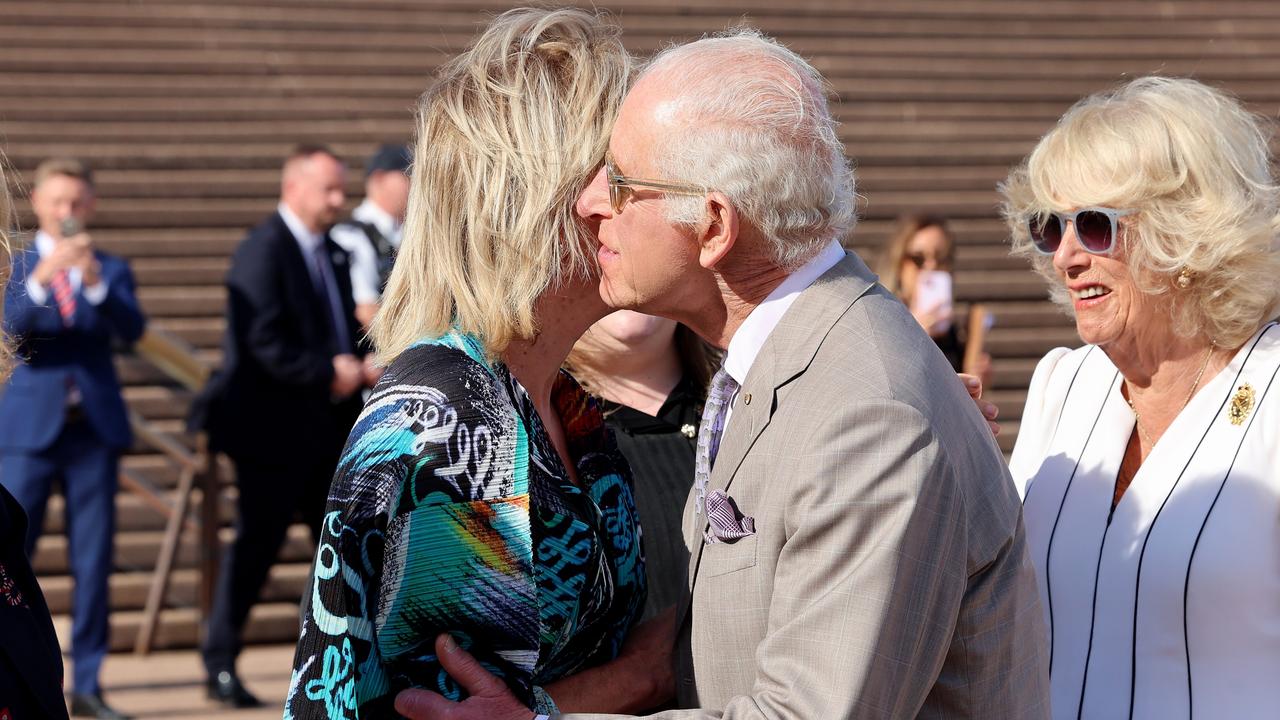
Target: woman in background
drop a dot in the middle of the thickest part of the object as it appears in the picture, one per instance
(651, 375)
(916, 265)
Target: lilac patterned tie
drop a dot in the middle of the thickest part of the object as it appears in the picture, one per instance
(713, 414)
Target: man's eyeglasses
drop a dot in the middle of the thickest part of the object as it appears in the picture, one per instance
(1095, 229)
(620, 186)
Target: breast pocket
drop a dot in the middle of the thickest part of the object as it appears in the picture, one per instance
(724, 558)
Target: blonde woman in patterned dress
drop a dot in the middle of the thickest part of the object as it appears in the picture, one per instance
(480, 493)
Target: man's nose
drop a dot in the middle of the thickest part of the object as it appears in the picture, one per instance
(594, 200)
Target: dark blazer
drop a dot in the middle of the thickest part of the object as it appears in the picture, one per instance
(273, 390)
(30, 661)
(33, 406)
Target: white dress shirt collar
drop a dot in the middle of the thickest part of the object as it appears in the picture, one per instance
(372, 213)
(307, 239)
(755, 330)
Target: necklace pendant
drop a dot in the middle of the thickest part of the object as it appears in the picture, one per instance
(1241, 404)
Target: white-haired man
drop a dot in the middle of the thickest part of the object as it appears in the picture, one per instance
(856, 542)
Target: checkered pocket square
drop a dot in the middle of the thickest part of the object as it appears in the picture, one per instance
(728, 524)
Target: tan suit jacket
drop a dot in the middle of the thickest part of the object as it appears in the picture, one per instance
(888, 576)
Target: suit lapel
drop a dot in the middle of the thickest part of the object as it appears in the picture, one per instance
(339, 260)
(786, 354)
(302, 292)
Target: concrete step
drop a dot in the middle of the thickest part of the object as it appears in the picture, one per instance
(180, 271)
(1029, 342)
(137, 550)
(275, 622)
(129, 590)
(196, 300)
(442, 22)
(133, 514)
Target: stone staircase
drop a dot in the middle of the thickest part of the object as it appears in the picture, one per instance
(186, 109)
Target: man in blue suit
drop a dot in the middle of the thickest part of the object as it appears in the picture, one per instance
(62, 419)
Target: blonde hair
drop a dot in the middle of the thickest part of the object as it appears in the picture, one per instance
(63, 166)
(889, 263)
(6, 232)
(1195, 166)
(507, 138)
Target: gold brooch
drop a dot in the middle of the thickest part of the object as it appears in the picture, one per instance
(1241, 404)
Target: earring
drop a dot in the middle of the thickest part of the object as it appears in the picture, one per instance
(1185, 276)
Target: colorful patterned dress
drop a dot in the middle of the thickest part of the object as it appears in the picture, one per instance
(452, 512)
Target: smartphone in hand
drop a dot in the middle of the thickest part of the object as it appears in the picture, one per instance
(70, 226)
(933, 298)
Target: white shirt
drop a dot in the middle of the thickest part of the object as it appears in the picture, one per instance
(1181, 583)
(308, 241)
(366, 282)
(39, 294)
(755, 330)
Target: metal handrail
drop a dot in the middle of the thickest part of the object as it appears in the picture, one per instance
(177, 359)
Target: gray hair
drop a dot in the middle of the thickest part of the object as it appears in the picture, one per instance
(755, 126)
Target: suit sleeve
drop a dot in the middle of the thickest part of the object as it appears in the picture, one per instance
(257, 301)
(23, 317)
(870, 580)
(120, 310)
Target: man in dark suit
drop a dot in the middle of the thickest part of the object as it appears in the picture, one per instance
(62, 418)
(288, 393)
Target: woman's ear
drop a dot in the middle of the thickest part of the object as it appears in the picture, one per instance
(720, 233)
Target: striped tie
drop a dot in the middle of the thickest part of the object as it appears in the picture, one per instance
(713, 415)
(64, 296)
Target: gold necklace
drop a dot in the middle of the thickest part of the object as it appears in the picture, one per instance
(1137, 418)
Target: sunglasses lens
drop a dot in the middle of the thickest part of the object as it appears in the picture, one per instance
(1046, 233)
(1094, 230)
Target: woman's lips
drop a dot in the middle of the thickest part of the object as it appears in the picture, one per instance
(1089, 296)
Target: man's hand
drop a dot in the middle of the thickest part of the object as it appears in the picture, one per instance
(365, 313)
(371, 372)
(75, 251)
(640, 679)
(489, 697)
(348, 376)
(988, 409)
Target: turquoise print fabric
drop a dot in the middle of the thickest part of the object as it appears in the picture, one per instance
(451, 512)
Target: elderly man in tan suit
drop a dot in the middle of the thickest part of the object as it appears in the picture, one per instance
(856, 543)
